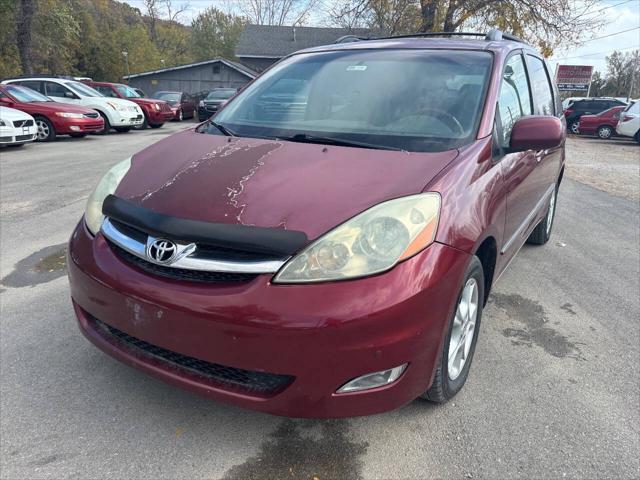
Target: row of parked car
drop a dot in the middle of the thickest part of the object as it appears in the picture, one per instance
(41, 108)
(604, 117)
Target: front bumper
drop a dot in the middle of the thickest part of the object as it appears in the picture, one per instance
(10, 135)
(79, 125)
(156, 117)
(322, 335)
(127, 119)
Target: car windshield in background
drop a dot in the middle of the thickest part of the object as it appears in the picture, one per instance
(171, 97)
(414, 100)
(84, 90)
(220, 94)
(127, 92)
(24, 94)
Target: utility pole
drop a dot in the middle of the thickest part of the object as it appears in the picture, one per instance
(125, 54)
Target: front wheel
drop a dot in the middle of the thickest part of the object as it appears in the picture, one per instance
(46, 132)
(462, 335)
(107, 125)
(574, 127)
(122, 129)
(542, 232)
(156, 125)
(180, 115)
(605, 132)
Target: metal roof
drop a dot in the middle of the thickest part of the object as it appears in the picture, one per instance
(235, 65)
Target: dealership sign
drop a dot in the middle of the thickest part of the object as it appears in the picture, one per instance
(574, 77)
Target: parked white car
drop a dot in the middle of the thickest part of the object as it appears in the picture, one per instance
(16, 127)
(629, 123)
(120, 114)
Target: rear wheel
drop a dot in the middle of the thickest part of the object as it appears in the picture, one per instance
(107, 125)
(542, 232)
(462, 335)
(574, 127)
(46, 132)
(605, 132)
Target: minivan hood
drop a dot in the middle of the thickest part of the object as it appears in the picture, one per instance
(306, 187)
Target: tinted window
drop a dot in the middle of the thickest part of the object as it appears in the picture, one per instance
(23, 94)
(515, 100)
(56, 90)
(412, 100)
(541, 86)
(106, 91)
(32, 84)
(127, 92)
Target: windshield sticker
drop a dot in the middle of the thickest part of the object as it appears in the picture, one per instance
(356, 68)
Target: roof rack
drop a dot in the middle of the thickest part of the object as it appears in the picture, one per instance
(492, 35)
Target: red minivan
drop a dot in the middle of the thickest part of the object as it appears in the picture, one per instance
(331, 256)
(52, 118)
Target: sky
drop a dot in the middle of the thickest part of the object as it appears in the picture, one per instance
(620, 15)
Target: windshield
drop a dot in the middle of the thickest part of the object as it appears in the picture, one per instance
(83, 90)
(414, 100)
(171, 97)
(24, 94)
(220, 94)
(127, 92)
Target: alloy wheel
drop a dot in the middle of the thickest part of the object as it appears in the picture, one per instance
(464, 326)
(575, 128)
(551, 212)
(43, 130)
(604, 133)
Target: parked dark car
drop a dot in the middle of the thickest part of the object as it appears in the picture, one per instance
(603, 124)
(182, 104)
(156, 112)
(213, 101)
(51, 118)
(588, 106)
(336, 264)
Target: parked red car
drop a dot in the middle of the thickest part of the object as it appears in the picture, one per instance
(182, 104)
(603, 124)
(333, 263)
(52, 118)
(156, 112)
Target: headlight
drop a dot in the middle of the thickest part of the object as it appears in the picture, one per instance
(369, 243)
(3, 123)
(107, 185)
(201, 104)
(69, 115)
(157, 106)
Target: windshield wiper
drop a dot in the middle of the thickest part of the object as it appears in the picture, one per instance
(223, 129)
(306, 138)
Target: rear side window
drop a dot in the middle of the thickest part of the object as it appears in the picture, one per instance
(55, 89)
(541, 87)
(515, 99)
(106, 91)
(32, 84)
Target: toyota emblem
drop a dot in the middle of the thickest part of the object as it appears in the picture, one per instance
(162, 251)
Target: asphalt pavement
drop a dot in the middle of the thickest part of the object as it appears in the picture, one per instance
(554, 390)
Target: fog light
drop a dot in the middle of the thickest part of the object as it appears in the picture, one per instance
(75, 128)
(373, 380)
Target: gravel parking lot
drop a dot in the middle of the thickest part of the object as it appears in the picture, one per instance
(554, 390)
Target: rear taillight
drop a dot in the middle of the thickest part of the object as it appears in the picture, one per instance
(568, 112)
(625, 118)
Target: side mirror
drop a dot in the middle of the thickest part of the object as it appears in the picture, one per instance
(536, 133)
(70, 95)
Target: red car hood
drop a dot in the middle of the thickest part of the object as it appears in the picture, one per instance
(145, 101)
(58, 107)
(268, 183)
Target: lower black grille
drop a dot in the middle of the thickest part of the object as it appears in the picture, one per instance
(228, 377)
(20, 138)
(181, 273)
(92, 115)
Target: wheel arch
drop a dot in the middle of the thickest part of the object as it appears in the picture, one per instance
(487, 253)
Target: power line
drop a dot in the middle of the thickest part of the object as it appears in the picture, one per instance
(612, 34)
(594, 54)
(612, 6)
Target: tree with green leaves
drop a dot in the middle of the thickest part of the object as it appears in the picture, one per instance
(215, 34)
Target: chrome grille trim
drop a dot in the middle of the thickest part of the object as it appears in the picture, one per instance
(191, 261)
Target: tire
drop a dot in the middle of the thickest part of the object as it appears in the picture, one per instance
(605, 132)
(78, 135)
(637, 136)
(450, 377)
(542, 232)
(122, 129)
(156, 125)
(574, 127)
(46, 132)
(107, 125)
(143, 125)
(180, 115)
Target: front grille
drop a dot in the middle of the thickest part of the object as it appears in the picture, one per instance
(6, 139)
(23, 123)
(180, 273)
(227, 377)
(92, 115)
